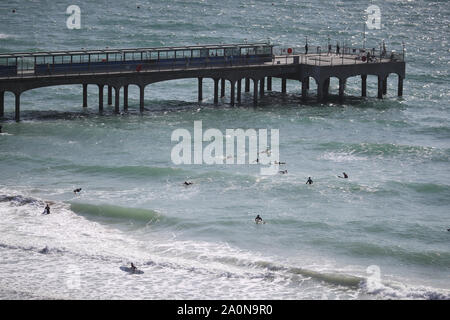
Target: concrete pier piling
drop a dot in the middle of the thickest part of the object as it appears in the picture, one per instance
(265, 65)
(200, 89)
(304, 90)
(2, 104)
(100, 97)
(141, 98)
(216, 90)
(341, 90)
(17, 116)
(232, 92)
(255, 92)
(222, 87)
(363, 85)
(109, 95)
(261, 87)
(125, 97)
(116, 99)
(239, 87)
(400, 87)
(85, 95)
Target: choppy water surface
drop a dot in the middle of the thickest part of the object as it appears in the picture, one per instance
(381, 234)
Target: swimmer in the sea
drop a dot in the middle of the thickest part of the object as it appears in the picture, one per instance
(309, 181)
(188, 183)
(77, 190)
(283, 171)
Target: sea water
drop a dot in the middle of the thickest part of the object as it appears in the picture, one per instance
(380, 234)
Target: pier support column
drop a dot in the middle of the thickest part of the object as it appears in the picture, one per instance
(200, 89)
(85, 95)
(269, 83)
(141, 98)
(255, 92)
(261, 87)
(232, 92)
(380, 87)
(109, 95)
(239, 87)
(385, 85)
(125, 97)
(2, 104)
(400, 87)
(100, 97)
(304, 90)
(222, 87)
(326, 88)
(17, 106)
(283, 85)
(247, 84)
(216, 91)
(341, 89)
(364, 85)
(319, 91)
(307, 83)
(117, 99)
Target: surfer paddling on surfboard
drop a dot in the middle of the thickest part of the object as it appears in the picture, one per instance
(258, 219)
(133, 269)
(344, 177)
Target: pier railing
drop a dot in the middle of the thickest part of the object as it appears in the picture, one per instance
(316, 56)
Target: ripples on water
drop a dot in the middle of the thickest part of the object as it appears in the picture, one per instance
(320, 241)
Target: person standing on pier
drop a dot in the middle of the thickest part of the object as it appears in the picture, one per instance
(306, 48)
(337, 48)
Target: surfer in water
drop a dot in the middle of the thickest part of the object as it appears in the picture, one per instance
(283, 171)
(77, 190)
(309, 181)
(188, 183)
(47, 209)
(133, 267)
(258, 219)
(345, 175)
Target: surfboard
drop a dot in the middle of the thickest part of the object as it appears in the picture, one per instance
(129, 270)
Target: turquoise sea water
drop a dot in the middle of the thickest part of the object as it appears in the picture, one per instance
(381, 234)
